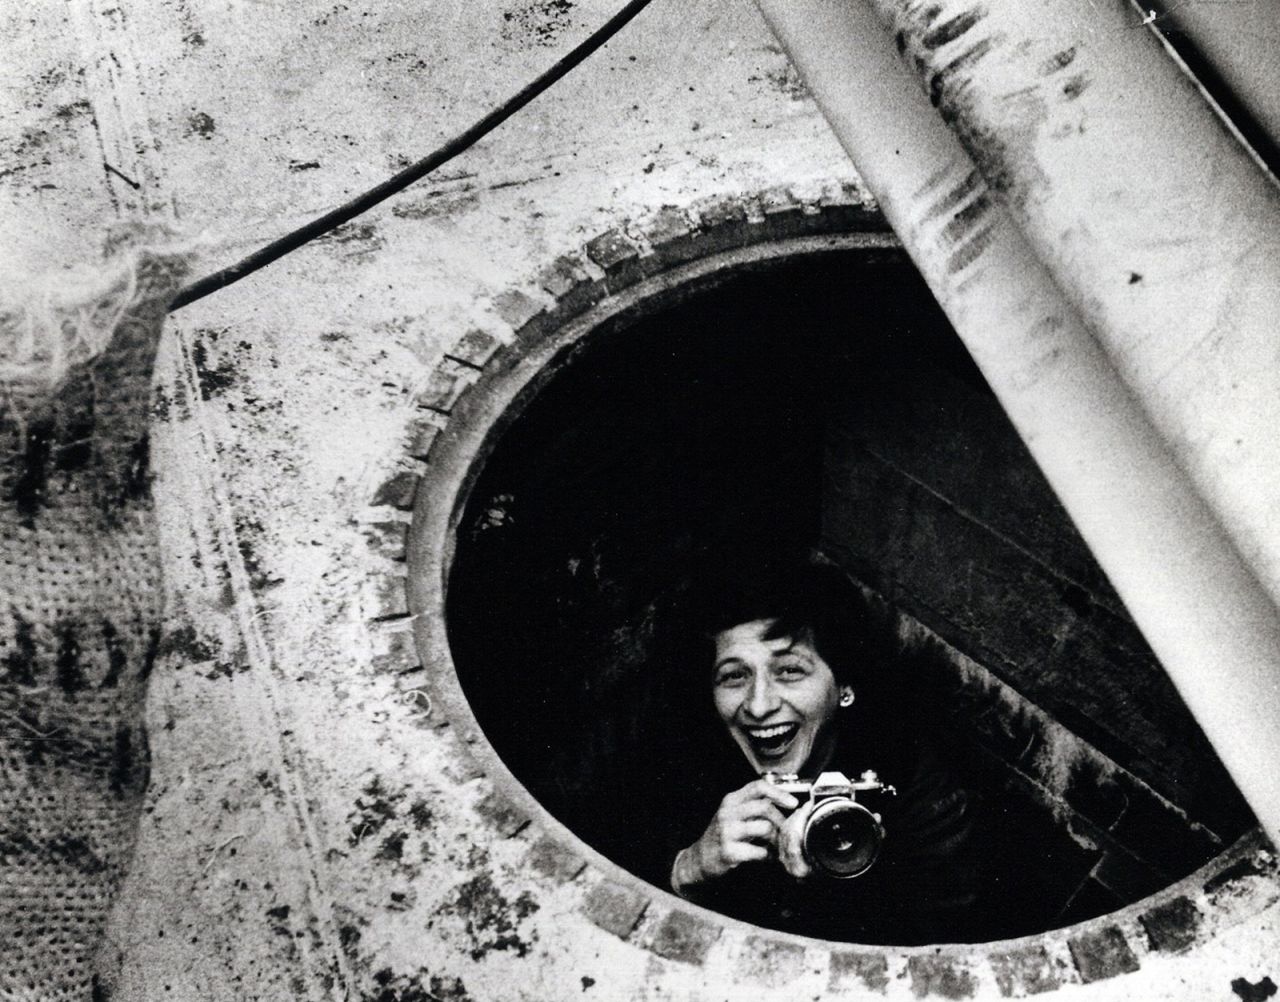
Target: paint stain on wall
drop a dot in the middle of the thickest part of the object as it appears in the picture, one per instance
(540, 22)
(490, 919)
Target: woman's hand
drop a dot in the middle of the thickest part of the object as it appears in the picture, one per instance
(745, 828)
(790, 844)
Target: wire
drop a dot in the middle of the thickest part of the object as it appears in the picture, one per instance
(398, 182)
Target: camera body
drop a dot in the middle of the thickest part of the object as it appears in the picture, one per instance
(841, 837)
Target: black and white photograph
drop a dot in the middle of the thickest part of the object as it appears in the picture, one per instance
(662, 500)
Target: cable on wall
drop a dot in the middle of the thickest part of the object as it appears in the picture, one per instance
(321, 225)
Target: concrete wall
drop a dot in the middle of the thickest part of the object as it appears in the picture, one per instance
(314, 827)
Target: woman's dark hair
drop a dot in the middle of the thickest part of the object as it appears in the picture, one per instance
(811, 598)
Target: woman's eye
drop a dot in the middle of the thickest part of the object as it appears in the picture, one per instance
(731, 677)
(793, 669)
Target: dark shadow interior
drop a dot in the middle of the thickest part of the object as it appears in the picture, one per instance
(823, 402)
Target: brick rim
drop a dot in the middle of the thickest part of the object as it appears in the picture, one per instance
(477, 390)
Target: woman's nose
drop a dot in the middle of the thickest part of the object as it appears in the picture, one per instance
(763, 698)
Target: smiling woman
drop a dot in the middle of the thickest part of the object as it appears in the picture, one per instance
(794, 643)
(777, 696)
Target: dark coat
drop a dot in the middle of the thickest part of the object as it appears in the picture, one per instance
(920, 890)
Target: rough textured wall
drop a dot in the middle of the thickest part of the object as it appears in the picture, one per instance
(313, 829)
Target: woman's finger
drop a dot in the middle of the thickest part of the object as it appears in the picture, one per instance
(790, 851)
(754, 830)
(763, 788)
(762, 808)
(745, 852)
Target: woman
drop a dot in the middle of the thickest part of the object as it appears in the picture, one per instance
(800, 680)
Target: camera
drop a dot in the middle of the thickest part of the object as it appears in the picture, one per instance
(841, 837)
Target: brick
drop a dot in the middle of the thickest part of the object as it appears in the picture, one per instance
(684, 937)
(1026, 971)
(501, 815)
(935, 974)
(447, 382)
(848, 966)
(667, 225)
(398, 654)
(398, 490)
(421, 436)
(614, 908)
(554, 860)
(618, 255)
(561, 276)
(573, 288)
(673, 237)
(785, 215)
(388, 598)
(386, 539)
(779, 201)
(516, 308)
(845, 208)
(460, 764)
(1172, 926)
(770, 962)
(1102, 954)
(723, 223)
(1238, 871)
(477, 346)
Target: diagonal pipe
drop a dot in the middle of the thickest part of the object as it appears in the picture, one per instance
(1155, 221)
(1200, 606)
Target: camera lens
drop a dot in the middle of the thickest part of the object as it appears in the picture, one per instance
(842, 838)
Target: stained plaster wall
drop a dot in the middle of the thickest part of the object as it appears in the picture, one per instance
(311, 832)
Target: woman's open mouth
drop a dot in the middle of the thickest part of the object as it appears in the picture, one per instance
(772, 741)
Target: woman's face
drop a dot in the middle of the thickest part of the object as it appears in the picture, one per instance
(777, 697)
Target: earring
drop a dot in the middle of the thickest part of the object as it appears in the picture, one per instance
(846, 696)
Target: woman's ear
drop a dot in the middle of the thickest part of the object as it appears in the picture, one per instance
(846, 695)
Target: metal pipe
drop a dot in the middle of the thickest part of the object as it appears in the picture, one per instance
(1200, 607)
(1155, 221)
(1236, 45)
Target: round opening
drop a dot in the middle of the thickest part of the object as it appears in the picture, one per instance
(819, 402)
